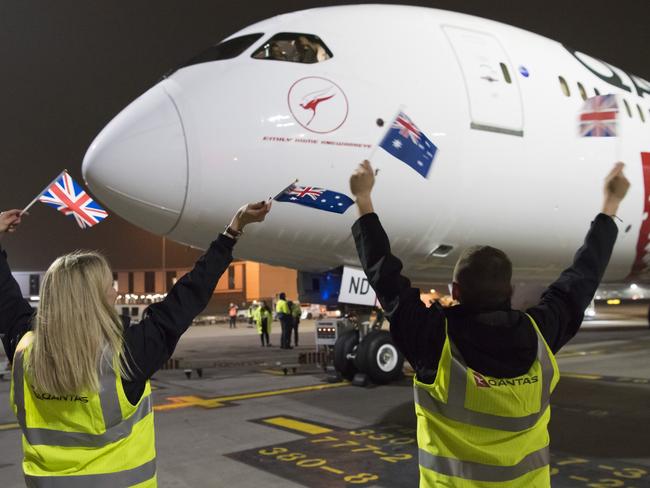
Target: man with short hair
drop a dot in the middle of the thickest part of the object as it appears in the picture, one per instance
(296, 312)
(484, 372)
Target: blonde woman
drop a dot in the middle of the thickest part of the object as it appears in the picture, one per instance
(80, 385)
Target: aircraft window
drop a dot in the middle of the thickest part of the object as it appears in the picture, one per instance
(224, 50)
(564, 86)
(506, 73)
(294, 47)
(638, 107)
(627, 108)
(583, 92)
(596, 91)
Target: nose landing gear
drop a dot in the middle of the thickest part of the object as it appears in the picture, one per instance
(359, 352)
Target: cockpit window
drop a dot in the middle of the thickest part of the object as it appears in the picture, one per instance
(294, 47)
(224, 50)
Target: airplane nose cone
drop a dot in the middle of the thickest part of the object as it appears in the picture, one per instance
(137, 165)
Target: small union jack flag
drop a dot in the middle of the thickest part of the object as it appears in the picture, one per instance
(306, 191)
(314, 197)
(407, 128)
(69, 198)
(598, 116)
(409, 144)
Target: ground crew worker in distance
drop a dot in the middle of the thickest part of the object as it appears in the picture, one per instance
(484, 372)
(286, 321)
(296, 312)
(80, 383)
(263, 318)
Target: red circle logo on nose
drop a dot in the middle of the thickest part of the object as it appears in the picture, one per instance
(318, 104)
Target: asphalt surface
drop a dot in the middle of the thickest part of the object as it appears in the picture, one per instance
(245, 424)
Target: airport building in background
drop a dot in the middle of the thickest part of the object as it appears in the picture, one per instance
(243, 282)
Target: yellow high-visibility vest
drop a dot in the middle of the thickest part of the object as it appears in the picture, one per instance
(477, 431)
(282, 306)
(90, 440)
(259, 315)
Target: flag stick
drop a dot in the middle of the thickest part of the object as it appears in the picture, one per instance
(41, 193)
(376, 146)
(619, 127)
(285, 189)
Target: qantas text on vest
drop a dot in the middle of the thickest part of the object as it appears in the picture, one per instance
(484, 382)
(65, 398)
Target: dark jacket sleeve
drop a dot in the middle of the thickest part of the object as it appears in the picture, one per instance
(151, 342)
(415, 328)
(15, 311)
(561, 309)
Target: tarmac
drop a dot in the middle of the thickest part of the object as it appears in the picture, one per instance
(245, 424)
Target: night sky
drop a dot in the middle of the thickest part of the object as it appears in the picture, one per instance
(69, 66)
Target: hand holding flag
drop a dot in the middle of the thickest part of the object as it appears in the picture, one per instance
(252, 212)
(9, 220)
(362, 180)
(361, 184)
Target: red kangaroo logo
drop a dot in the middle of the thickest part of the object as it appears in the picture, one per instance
(480, 381)
(312, 100)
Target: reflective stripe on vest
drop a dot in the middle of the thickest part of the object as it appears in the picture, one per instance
(109, 480)
(116, 428)
(455, 409)
(484, 472)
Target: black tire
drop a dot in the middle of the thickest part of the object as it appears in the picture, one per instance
(345, 344)
(379, 358)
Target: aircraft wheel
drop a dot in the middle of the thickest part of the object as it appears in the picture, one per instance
(379, 358)
(346, 344)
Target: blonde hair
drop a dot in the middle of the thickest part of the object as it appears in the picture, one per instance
(77, 330)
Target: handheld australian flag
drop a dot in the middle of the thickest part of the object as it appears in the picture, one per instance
(67, 196)
(314, 197)
(407, 143)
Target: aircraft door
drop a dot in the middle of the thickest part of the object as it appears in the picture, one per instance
(492, 88)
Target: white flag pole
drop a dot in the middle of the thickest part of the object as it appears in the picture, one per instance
(376, 146)
(285, 188)
(619, 127)
(41, 193)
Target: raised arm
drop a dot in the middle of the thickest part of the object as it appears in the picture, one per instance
(15, 312)
(561, 309)
(152, 342)
(412, 325)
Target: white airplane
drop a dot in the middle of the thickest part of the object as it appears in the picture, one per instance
(301, 96)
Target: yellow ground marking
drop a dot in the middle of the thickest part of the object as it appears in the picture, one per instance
(272, 371)
(581, 376)
(578, 478)
(9, 426)
(216, 402)
(579, 353)
(297, 425)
